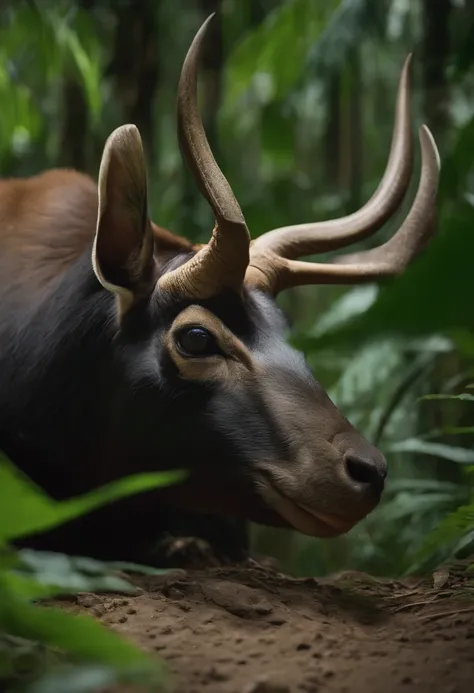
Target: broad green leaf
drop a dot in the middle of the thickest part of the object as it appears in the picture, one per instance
(88, 678)
(128, 567)
(72, 40)
(77, 679)
(450, 529)
(352, 303)
(274, 54)
(23, 658)
(26, 509)
(448, 452)
(67, 574)
(76, 634)
(347, 27)
(28, 588)
(417, 303)
(408, 505)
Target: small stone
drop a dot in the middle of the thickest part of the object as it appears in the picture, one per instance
(277, 620)
(123, 619)
(131, 610)
(303, 646)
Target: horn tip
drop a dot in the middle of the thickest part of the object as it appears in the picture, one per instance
(428, 142)
(406, 69)
(207, 21)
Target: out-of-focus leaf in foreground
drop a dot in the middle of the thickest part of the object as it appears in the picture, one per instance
(26, 509)
(80, 636)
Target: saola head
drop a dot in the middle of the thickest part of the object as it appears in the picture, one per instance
(234, 403)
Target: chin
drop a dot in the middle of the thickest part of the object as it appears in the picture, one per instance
(295, 515)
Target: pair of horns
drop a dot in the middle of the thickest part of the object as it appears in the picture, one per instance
(270, 263)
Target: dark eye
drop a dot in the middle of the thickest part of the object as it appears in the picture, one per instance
(196, 341)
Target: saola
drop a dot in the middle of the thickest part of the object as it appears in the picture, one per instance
(126, 349)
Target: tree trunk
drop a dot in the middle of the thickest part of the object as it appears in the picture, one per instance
(135, 67)
(436, 99)
(332, 138)
(75, 127)
(435, 56)
(355, 131)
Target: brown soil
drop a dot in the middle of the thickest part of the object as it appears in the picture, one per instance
(250, 629)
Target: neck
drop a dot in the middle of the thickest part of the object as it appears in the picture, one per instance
(54, 373)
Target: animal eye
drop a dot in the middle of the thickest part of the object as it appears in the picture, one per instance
(196, 341)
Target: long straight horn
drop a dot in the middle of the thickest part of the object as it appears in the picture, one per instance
(223, 262)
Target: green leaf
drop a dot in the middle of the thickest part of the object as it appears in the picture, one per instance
(417, 303)
(23, 658)
(463, 396)
(88, 678)
(76, 634)
(457, 430)
(423, 485)
(450, 530)
(350, 23)
(448, 452)
(81, 44)
(26, 509)
(352, 303)
(27, 588)
(67, 574)
(274, 54)
(78, 679)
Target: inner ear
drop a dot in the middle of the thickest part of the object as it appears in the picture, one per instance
(123, 248)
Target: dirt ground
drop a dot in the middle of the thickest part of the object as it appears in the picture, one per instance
(250, 629)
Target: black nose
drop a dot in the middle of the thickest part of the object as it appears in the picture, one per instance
(367, 471)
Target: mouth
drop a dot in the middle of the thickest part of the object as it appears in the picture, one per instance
(305, 519)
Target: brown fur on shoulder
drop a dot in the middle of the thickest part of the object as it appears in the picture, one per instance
(46, 223)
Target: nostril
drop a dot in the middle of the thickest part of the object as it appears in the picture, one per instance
(365, 471)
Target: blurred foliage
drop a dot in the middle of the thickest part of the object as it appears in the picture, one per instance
(33, 638)
(298, 100)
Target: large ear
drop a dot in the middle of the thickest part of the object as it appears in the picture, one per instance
(122, 255)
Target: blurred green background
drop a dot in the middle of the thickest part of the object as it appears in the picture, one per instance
(298, 102)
